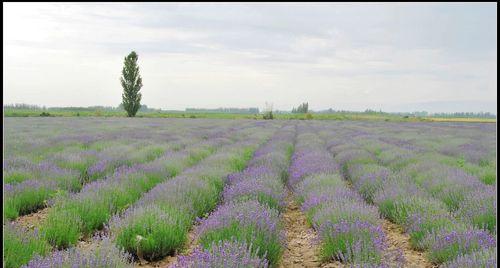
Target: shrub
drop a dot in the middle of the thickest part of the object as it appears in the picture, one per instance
(223, 254)
(420, 225)
(268, 191)
(479, 208)
(399, 209)
(483, 258)
(352, 242)
(151, 232)
(26, 197)
(20, 245)
(268, 115)
(94, 205)
(248, 222)
(61, 229)
(104, 254)
(446, 246)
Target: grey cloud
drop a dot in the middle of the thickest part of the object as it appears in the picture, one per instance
(442, 46)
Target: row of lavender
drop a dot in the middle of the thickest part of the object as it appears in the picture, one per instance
(446, 211)
(66, 163)
(82, 213)
(87, 210)
(451, 185)
(467, 147)
(245, 230)
(349, 229)
(157, 224)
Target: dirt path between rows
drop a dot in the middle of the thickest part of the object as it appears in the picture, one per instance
(301, 249)
(32, 220)
(398, 240)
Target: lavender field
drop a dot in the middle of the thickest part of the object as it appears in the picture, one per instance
(144, 192)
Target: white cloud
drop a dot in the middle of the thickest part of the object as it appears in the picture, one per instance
(211, 55)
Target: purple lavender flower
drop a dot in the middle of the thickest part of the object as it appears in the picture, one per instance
(310, 162)
(249, 213)
(486, 258)
(352, 242)
(105, 254)
(223, 254)
(266, 190)
(479, 208)
(445, 246)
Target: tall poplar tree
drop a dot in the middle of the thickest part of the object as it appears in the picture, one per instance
(131, 82)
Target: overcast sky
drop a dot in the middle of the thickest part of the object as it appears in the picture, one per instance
(394, 57)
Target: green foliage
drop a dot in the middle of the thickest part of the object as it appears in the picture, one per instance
(16, 176)
(356, 247)
(90, 111)
(426, 225)
(238, 163)
(262, 198)
(131, 82)
(61, 229)
(154, 233)
(268, 115)
(302, 109)
(94, 209)
(26, 200)
(399, 209)
(453, 250)
(198, 154)
(338, 213)
(20, 246)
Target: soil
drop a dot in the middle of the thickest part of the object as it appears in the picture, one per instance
(398, 240)
(302, 249)
(32, 220)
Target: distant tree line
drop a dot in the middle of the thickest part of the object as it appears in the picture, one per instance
(367, 111)
(22, 106)
(145, 109)
(417, 113)
(225, 110)
(465, 114)
(302, 109)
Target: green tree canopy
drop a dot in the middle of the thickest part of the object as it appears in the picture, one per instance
(131, 82)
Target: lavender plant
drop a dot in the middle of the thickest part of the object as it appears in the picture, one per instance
(20, 245)
(446, 246)
(104, 255)
(223, 254)
(486, 258)
(248, 222)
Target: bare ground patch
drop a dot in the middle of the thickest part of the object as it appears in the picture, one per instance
(301, 249)
(398, 240)
(32, 220)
